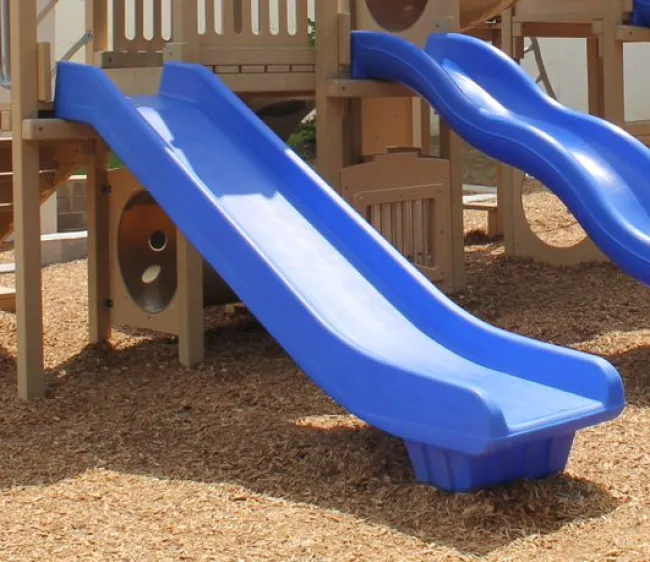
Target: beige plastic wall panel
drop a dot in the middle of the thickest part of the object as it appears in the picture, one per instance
(407, 199)
(124, 311)
(413, 21)
(388, 122)
(527, 244)
(136, 81)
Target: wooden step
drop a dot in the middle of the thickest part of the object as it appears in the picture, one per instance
(57, 163)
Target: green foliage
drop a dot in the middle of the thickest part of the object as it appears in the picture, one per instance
(303, 139)
(113, 162)
(311, 32)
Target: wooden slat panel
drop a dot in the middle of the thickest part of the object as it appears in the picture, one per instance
(157, 20)
(139, 40)
(302, 14)
(246, 18)
(210, 25)
(228, 17)
(120, 42)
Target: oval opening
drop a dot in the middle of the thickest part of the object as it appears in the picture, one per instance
(151, 274)
(396, 16)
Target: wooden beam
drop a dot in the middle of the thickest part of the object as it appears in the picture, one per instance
(344, 88)
(225, 56)
(631, 34)
(55, 130)
(29, 305)
(638, 128)
(271, 82)
(110, 59)
(553, 30)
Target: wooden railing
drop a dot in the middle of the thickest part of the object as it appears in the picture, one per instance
(145, 25)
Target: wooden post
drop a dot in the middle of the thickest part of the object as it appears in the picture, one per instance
(613, 71)
(331, 112)
(506, 191)
(26, 199)
(595, 78)
(451, 149)
(97, 22)
(97, 192)
(189, 264)
(189, 295)
(44, 76)
(185, 32)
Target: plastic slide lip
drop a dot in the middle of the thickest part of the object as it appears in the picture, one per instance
(223, 177)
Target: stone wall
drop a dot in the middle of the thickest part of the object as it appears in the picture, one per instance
(71, 205)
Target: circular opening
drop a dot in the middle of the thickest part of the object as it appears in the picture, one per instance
(396, 16)
(548, 217)
(158, 241)
(151, 274)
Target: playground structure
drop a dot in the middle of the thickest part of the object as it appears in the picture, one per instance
(373, 138)
(282, 75)
(204, 180)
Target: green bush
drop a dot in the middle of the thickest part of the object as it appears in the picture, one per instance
(303, 139)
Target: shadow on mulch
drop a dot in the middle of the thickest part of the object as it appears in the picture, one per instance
(634, 367)
(561, 305)
(249, 417)
(480, 238)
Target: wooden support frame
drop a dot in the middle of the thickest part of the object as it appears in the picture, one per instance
(29, 305)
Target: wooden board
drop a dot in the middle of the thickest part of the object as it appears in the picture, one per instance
(475, 12)
(7, 299)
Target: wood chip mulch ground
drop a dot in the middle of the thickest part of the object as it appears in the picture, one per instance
(132, 457)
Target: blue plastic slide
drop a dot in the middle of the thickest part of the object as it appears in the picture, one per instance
(475, 405)
(598, 170)
(641, 13)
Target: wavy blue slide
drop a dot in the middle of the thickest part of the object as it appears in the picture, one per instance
(474, 405)
(598, 170)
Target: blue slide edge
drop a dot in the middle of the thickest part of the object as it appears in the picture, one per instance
(641, 13)
(457, 471)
